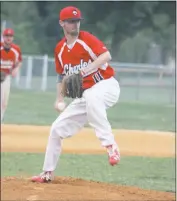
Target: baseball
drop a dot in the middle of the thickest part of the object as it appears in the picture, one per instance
(61, 106)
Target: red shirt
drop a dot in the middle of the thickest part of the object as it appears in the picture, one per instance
(85, 50)
(10, 57)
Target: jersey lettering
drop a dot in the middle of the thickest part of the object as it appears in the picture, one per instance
(69, 69)
(6, 64)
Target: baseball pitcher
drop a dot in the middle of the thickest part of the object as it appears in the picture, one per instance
(84, 74)
(11, 60)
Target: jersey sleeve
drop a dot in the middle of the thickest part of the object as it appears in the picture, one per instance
(97, 46)
(20, 55)
(18, 49)
(58, 66)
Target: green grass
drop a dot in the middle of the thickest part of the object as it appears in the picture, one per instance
(36, 108)
(145, 172)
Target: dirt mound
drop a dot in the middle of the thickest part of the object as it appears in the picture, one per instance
(72, 189)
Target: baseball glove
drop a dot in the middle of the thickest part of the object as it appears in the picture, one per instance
(72, 86)
(3, 76)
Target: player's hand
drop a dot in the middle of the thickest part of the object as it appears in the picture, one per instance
(56, 106)
(59, 105)
(14, 72)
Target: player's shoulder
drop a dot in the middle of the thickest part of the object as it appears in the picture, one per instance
(15, 46)
(85, 35)
(60, 44)
(89, 38)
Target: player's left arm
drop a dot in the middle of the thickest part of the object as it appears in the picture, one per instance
(100, 60)
(102, 54)
(18, 63)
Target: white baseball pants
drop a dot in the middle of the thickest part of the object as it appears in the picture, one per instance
(5, 91)
(92, 108)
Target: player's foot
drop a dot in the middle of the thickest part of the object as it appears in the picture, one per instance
(113, 154)
(44, 177)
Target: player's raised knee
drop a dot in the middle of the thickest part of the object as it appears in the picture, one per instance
(54, 130)
(58, 130)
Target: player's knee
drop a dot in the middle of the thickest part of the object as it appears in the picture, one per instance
(57, 131)
(89, 98)
(54, 131)
(91, 102)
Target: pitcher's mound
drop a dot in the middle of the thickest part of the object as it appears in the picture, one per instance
(70, 189)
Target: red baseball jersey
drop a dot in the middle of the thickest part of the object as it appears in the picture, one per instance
(10, 57)
(86, 49)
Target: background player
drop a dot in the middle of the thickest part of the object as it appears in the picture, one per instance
(11, 61)
(81, 51)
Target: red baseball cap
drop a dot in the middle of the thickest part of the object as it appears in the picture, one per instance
(8, 31)
(70, 13)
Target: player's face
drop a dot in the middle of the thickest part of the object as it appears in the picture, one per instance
(71, 27)
(8, 39)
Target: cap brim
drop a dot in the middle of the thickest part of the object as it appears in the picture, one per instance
(8, 34)
(74, 19)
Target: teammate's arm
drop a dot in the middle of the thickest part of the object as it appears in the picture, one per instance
(18, 64)
(16, 68)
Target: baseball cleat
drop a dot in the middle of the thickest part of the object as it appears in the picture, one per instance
(113, 155)
(44, 177)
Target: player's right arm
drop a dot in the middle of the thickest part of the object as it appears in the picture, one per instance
(59, 96)
(59, 71)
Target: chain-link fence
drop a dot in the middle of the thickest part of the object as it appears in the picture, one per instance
(139, 82)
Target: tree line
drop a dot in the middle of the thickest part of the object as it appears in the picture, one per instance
(134, 31)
